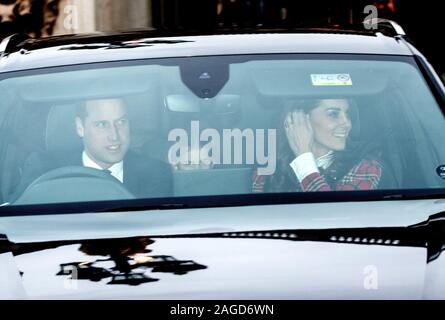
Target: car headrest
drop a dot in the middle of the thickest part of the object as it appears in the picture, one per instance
(61, 130)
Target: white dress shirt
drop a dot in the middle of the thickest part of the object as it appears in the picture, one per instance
(306, 164)
(117, 169)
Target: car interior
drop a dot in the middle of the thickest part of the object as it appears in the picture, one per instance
(42, 120)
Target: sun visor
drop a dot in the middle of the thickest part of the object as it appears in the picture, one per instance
(87, 84)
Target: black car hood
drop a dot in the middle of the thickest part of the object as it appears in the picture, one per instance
(389, 262)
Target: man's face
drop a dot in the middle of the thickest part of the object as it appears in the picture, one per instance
(105, 131)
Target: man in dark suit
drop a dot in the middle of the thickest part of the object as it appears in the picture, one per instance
(104, 128)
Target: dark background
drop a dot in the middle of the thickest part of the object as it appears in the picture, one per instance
(420, 19)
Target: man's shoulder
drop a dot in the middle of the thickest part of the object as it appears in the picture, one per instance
(147, 177)
(136, 160)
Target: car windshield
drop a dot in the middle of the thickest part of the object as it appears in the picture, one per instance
(218, 126)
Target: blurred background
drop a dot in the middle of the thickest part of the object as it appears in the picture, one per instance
(39, 18)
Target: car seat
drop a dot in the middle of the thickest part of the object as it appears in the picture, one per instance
(377, 128)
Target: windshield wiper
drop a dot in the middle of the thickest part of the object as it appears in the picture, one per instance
(274, 199)
(213, 201)
(415, 194)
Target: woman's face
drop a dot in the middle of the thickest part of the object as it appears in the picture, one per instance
(331, 126)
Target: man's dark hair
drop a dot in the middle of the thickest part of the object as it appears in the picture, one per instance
(81, 107)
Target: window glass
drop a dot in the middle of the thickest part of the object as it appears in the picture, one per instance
(218, 126)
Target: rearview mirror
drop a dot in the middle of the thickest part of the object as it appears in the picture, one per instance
(181, 103)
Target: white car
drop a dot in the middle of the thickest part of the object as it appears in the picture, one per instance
(234, 189)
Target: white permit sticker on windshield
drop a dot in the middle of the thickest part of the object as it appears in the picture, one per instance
(334, 79)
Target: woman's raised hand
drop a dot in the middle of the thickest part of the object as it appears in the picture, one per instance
(299, 132)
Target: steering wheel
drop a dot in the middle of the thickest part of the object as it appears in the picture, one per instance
(74, 184)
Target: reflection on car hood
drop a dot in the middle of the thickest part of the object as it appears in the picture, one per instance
(226, 219)
(350, 258)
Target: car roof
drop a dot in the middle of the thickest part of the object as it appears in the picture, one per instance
(101, 47)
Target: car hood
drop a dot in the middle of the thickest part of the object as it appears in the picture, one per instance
(375, 250)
